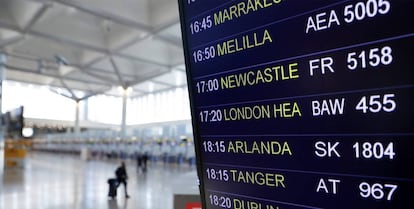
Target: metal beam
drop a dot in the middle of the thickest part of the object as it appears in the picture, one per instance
(92, 71)
(11, 41)
(36, 17)
(135, 40)
(167, 24)
(112, 94)
(88, 72)
(25, 70)
(53, 38)
(136, 82)
(129, 43)
(118, 19)
(88, 67)
(176, 87)
(79, 44)
(93, 74)
(56, 92)
(159, 91)
(162, 83)
(118, 54)
(115, 18)
(141, 91)
(121, 80)
(93, 93)
(67, 88)
(68, 41)
(94, 61)
(177, 43)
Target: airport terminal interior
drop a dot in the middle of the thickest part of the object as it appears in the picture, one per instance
(84, 86)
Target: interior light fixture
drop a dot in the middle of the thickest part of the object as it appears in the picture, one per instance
(27, 132)
(129, 90)
(120, 89)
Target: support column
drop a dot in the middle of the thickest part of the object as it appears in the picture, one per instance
(2, 69)
(85, 109)
(77, 128)
(2, 127)
(123, 122)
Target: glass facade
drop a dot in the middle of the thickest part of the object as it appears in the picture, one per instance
(40, 102)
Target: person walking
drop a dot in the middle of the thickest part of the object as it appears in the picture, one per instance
(139, 162)
(122, 176)
(144, 161)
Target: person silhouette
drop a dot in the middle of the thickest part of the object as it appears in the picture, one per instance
(122, 176)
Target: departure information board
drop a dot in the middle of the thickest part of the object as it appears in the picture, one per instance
(302, 104)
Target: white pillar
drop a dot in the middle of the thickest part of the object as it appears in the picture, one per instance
(2, 128)
(77, 128)
(85, 109)
(123, 122)
(2, 71)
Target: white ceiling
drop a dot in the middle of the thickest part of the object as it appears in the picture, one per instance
(103, 44)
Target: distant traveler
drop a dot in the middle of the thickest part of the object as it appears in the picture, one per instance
(121, 177)
(142, 159)
(145, 160)
(139, 161)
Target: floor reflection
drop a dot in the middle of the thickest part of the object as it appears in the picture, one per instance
(64, 181)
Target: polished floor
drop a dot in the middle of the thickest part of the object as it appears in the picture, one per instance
(62, 181)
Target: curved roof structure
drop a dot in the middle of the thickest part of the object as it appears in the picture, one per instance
(92, 47)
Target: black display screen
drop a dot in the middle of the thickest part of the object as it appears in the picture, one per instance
(13, 121)
(302, 104)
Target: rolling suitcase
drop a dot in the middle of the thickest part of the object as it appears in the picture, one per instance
(112, 187)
